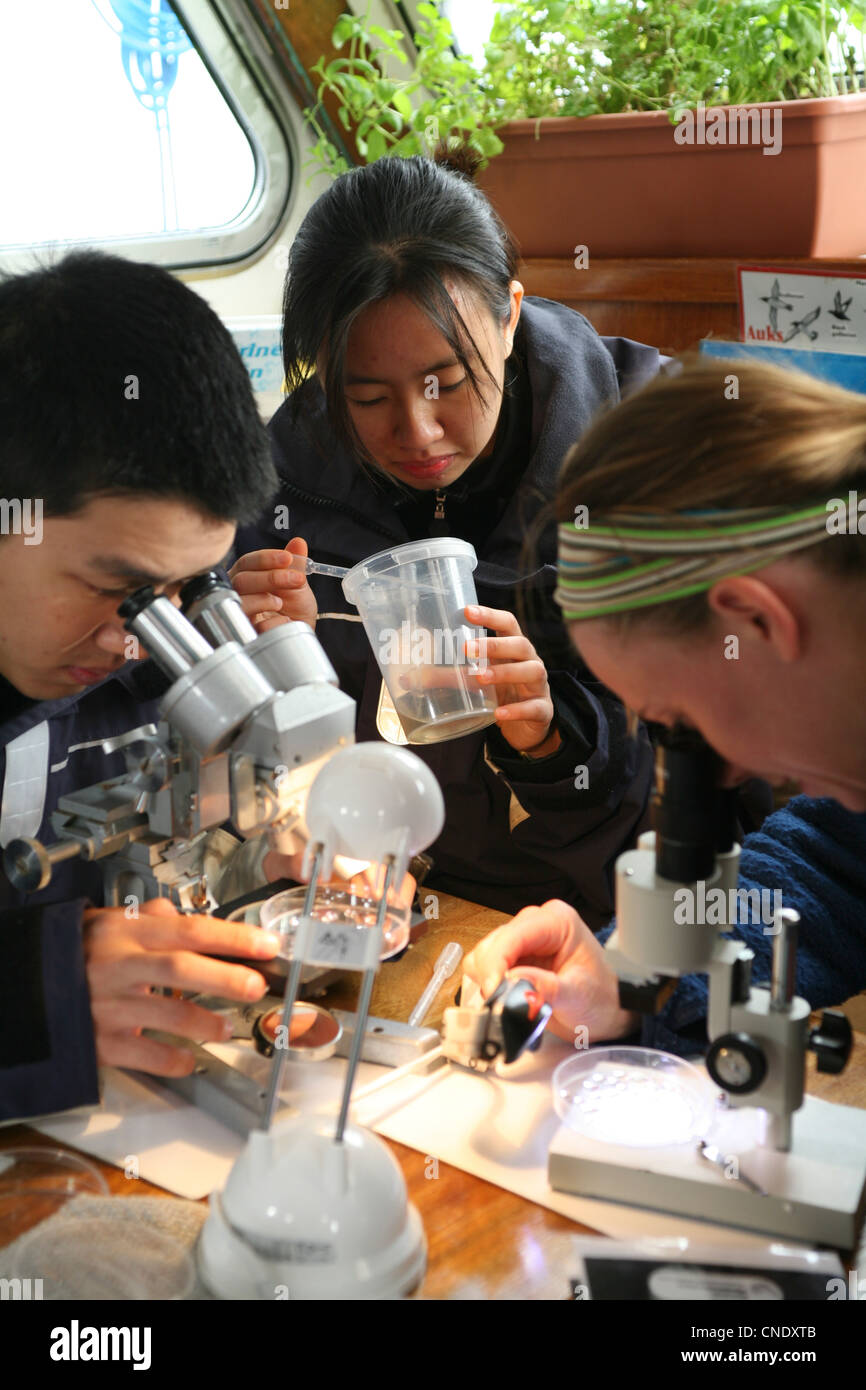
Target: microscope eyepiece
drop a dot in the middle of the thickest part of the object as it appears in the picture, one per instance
(686, 805)
(216, 610)
(136, 603)
(169, 638)
(200, 587)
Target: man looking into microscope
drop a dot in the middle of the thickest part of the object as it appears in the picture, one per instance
(131, 447)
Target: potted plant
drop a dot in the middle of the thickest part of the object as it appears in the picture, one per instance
(439, 101)
(638, 127)
(634, 114)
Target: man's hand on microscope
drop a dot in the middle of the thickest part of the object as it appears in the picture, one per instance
(128, 959)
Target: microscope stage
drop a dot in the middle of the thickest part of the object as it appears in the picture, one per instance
(814, 1193)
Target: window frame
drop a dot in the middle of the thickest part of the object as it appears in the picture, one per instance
(242, 69)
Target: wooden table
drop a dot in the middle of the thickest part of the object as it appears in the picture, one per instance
(483, 1242)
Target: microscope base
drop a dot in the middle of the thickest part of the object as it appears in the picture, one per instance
(816, 1192)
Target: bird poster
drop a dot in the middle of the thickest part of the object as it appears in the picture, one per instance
(803, 309)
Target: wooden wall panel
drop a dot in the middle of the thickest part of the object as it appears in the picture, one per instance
(299, 36)
(669, 303)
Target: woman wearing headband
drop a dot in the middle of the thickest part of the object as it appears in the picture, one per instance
(713, 573)
(441, 405)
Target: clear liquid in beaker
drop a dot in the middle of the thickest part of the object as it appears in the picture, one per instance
(442, 712)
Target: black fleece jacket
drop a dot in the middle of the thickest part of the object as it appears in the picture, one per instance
(517, 831)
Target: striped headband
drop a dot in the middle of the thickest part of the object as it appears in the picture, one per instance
(603, 569)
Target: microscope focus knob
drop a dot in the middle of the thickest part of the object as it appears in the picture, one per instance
(736, 1063)
(831, 1041)
(27, 865)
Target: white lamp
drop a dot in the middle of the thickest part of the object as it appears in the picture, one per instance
(313, 1208)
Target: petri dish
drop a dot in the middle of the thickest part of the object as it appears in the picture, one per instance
(281, 913)
(316, 1036)
(633, 1096)
(36, 1183)
(65, 1237)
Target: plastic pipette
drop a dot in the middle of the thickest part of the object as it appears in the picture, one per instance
(314, 567)
(340, 572)
(445, 966)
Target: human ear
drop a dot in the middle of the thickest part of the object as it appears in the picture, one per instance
(516, 292)
(756, 611)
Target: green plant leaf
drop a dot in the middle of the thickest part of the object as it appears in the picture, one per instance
(391, 118)
(377, 145)
(556, 12)
(343, 29)
(389, 38)
(360, 67)
(402, 103)
(356, 87)
(407, 146)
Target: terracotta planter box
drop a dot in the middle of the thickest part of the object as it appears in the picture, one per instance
(623, 185)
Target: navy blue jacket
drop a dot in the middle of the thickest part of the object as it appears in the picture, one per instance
(814, 851)
(47, 1053)
(517, 831)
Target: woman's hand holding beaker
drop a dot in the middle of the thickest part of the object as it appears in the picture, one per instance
(518, 675)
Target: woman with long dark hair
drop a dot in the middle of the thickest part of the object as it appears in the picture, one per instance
(429, 398)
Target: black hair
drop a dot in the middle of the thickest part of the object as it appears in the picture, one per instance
(397, 226)
(117, 378)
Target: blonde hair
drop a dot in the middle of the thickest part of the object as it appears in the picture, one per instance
(721, 436)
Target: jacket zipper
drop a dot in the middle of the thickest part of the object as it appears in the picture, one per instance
(332, 502)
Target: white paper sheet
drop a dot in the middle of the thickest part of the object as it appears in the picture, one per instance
(154, 1134)
(500, 1130)
(496, 1128)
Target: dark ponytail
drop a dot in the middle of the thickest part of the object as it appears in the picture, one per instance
(460, 159)
(397, 226)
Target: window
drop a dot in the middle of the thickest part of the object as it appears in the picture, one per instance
(131, 129)
(471, 25)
